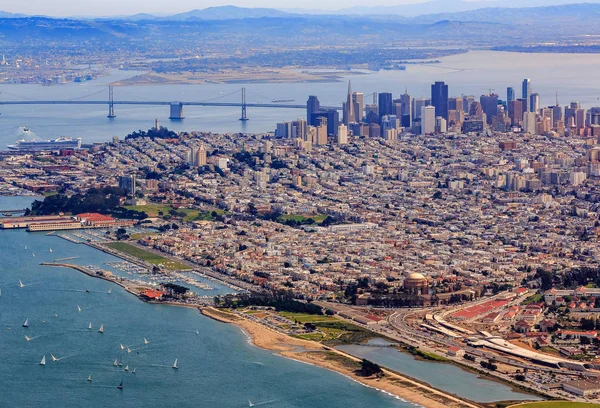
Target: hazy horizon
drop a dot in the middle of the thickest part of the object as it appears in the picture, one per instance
(99, 8)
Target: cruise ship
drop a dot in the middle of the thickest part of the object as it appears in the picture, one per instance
(40, 145)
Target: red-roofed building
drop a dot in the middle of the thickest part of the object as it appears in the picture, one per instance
(153, 294)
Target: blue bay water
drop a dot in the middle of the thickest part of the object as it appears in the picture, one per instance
(445, 377)
(474, 73)
(217, 367)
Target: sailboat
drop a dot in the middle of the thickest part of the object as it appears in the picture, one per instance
(90, 378)
(27, 338)
(120, 364)
(127, 368)
(122, 347)
(53, 358)
(175, 365)
(25, 246)
(43, 362)
(197, 332)
(250, 404)
(21, 284)
(50, 249)
(33, 255)
(78, 308)
(128, 350)
(26, 324)
(133, 372)
(109, 291)
(120, 386)
(90, 326)
(101, 329)
(146, 341)
(116, 363)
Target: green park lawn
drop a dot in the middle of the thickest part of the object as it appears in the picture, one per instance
(149, 257)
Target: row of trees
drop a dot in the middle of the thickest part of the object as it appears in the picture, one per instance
(281, 300)
(153, 133)
(104, 200)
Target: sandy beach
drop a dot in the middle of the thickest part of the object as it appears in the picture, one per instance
(331, 359)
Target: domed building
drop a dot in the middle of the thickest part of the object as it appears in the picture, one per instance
(416, 284)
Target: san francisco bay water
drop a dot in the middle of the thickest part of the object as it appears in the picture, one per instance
(572, 76)
(218, 366)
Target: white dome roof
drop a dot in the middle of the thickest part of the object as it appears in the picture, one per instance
(416, 276)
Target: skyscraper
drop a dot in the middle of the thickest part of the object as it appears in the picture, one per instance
(510, 94)
(349, 116)
(312, 106)
(358, 98)
(127, 183)
(406, 117)
(489, 104)
(418, 103)
(515, 112)
(526, 92)
(529, 122)
(342, 135)
(427, 120)
(534, 102)
(386, 106)
(439, 99)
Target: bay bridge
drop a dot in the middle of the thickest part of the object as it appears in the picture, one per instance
(175, 107)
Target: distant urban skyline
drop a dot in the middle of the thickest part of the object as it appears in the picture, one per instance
(98, 8)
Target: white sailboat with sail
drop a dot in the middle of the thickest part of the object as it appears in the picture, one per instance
(89, 378)
(101, 329)
(175, 365)
(26, 324)
(43, 362)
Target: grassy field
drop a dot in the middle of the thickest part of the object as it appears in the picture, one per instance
(556, 404)
(426, 355)
(152, 210)
(330, 330)
(317, 218)
(538, 297)
(149, 257)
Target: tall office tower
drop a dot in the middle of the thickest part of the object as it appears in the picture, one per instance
(515, 112)
(385, 104)
(283, 130)
(534, 102)
(455, 104)
(593, 117)
(127, 183)
(476, 110)
(557, 114)
(489, 104)
(322, 126)
(358, 98)
(467, 102)
(418, 103)
(439, 99)
(526, 91)
(427, 120)
(371, 113)
(510, 94)
(406, 117)
(580, 115)
(333, 119)
(349, 116)
(441, 125)
(299, 129)
(529, 121)
(548, 113)
(342, 135)
(312, 106)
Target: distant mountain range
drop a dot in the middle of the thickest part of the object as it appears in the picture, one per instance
(429, 11)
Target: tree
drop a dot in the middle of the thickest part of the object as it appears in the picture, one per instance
(368, 368)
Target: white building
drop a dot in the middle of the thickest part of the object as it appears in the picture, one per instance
(427, 120)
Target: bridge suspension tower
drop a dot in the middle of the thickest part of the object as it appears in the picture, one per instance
(111, 103)
(244, 117)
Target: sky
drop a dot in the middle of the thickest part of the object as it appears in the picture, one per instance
(166, 7)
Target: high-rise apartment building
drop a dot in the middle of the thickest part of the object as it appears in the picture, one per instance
(534, 102)
(312, 106)
(510, 94)
(526, 92)
(342, 135)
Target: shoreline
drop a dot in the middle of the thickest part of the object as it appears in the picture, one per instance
(316, 354)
